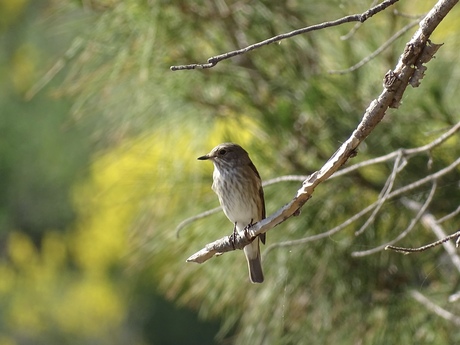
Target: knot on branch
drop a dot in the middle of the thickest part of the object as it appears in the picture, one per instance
(410, 70)
(410, 53)
(391, 81)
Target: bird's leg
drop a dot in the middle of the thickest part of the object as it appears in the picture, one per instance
(247, 228)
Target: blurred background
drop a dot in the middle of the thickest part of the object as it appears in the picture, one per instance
(98, 167)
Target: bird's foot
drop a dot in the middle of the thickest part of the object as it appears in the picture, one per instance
(246, 229)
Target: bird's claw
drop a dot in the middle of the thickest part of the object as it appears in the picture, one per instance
(232, 240)
(246, 229)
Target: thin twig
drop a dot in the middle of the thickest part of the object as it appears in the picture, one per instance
(406, 250)
(435, 308)
(352, 31)
(285, 178)
(212, 61)
(189, 220)
(406, 152)
(322, 235)
(426, 179)
(404, 233)
(380, 49)
(406, 15)
(438, 141)
(355, 27)
(383, 197)
(70, 53)
(429, 221)
(449, 216)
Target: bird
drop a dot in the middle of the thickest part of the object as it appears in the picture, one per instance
(238, 186)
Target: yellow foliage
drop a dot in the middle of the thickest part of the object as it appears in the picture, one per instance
(6, 340)
(26, 314)
(91, 305)
(21, 250)
(54, 251)
(8, 278)
(41, 292)
(24, 67)
(242, 130)
(153, 170)
(10, 10)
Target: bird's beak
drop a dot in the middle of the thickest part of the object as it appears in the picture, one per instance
(203, 158)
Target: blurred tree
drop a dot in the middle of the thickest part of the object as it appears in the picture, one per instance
(41, 153)
(59, 285)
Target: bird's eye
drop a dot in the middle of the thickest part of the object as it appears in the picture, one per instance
(222, 152)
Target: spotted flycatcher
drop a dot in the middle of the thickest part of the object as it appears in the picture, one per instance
(237, 183)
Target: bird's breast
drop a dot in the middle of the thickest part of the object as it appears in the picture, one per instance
(238, 193)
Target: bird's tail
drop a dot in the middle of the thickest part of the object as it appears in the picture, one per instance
(252, 252)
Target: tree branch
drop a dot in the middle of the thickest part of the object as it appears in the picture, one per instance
(212, 61)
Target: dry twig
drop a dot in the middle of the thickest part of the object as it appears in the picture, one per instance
(212, 61)
(406, 250)
(429, 221)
